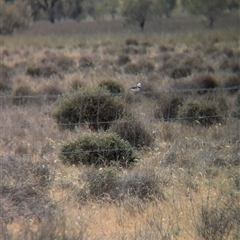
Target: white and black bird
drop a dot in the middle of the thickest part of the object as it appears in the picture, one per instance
(136, 88)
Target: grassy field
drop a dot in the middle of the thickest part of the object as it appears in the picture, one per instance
(185, 182)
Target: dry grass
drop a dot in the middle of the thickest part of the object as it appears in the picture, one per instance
(184, 185)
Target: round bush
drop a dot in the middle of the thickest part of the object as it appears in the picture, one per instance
(205, 113)
(94, 106)
(98, 149)
(133, 131)
(112, 86)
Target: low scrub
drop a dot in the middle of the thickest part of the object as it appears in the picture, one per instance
(85, 62)
(93, 106)
(42, 70)
(167, 107)
(6, 72)
(123, 59)
(219, 221)
(205, 112)
(96, 149)
(133, 131)
(112, 86)
(131, 41)
(113, 184)
(21, 93)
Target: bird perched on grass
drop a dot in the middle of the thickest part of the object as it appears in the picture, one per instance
(136, 88)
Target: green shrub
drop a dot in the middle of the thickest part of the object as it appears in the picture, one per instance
(98, 149)
(112, 86)
(205, 112)
(133, 131)
(94, 106)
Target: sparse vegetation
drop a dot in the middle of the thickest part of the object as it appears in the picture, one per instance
(112, 86)
(84, 157)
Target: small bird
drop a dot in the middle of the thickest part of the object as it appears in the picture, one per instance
(136, 88)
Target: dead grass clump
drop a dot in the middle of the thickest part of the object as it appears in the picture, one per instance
(140, 67)
(42, 70)
(101, 183)
(180, 72)
(51, 91)
(63, 63)
(182, 65)
(145, 184)
(145, 66)
(232, 82)
(131, 68)
(231, 64)
(123, 59)
(112, 86)
(219, 220)
(21, 93)
(108, 183)
(236, 108)
(134, 50)
(23, 189)
(85, 62)
(203, 82)
(5, 77)
(168, 107)
(131, 41)
(133, 131)
(146, 44)
(93, 106)
(205, 113)
(98, 149)
(164, 48)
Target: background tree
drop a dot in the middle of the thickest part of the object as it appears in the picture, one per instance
(136, 11)
(72, 9)
(209, 9)
(94, 8)
(13, 15)
(47, 6)
(160, 7)
(233, 4)
(111, 7)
